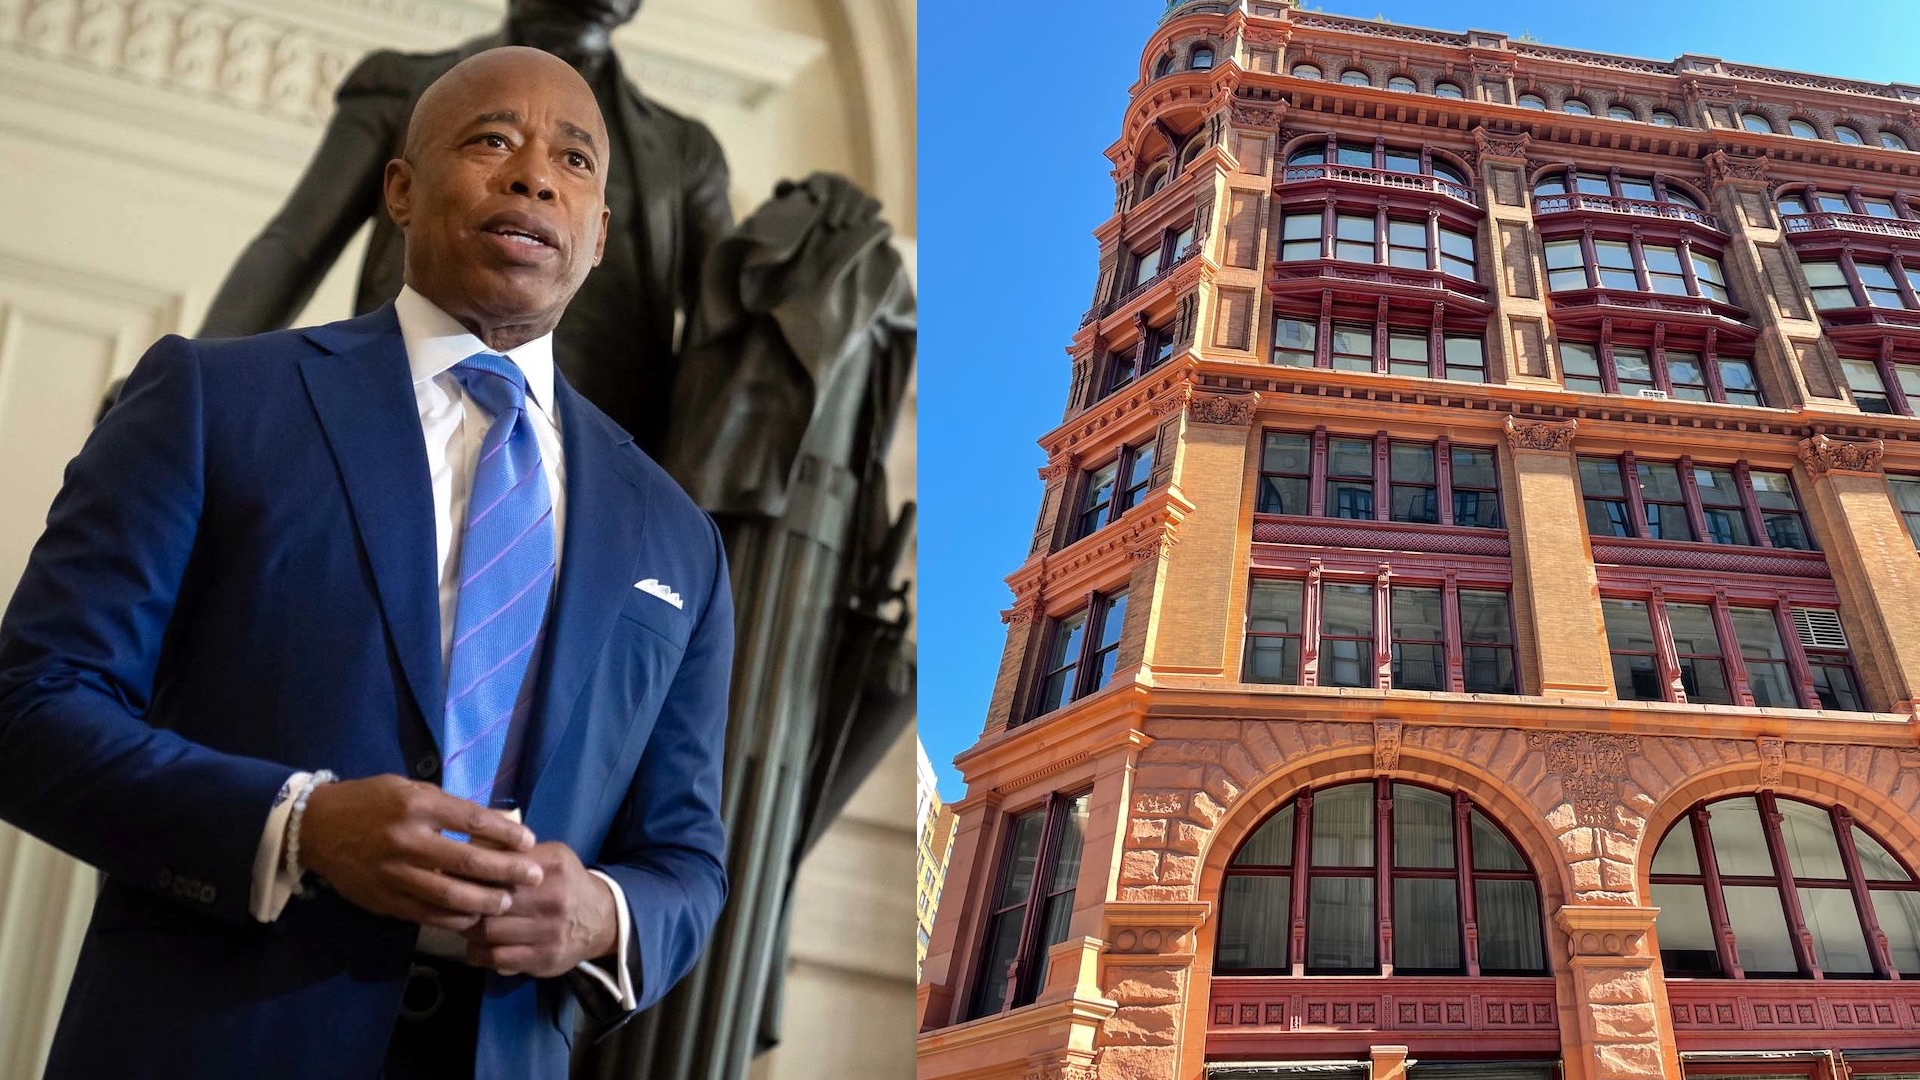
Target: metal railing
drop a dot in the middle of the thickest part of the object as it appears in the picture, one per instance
(1386, 178)
(1857, 223)
(1608, 204)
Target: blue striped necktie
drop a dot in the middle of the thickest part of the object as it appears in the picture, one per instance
(506, 579)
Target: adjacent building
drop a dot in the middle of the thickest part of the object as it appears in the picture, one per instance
(1473, 622)
(933, 825)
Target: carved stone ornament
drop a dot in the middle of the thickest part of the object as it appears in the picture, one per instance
(1822, 455)
(1591, 768)
(1386, 745)
(1172, 401)
(1235, 410)
(1540, 434)
(1062, 1070)
(1488, 144)
(1150, 540)
(1772, 757)
(1258, 115)
(1722, 166)
(1056, 470)
(1022, 612)
(1149, 939)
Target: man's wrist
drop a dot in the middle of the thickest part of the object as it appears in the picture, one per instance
(606, 921)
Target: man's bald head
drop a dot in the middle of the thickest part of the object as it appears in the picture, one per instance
(501, 191)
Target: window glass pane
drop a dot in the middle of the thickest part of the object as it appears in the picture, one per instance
(1880, 208)
(1355, 77)
(1107, 646)
(1352, 346)
(1003, 941)
(1483, 617)
(1491, 848)
(1488, 670)
(1447, 172)
(1357, 155)
(1760, 930)
(1704, 678)
(1353, 238)
(1633, 187)
(1869, 393)
(1305, 71)
(1426, 919)
(1756, 123)
(1411, 463)
(1581, 365)
(1845, 134)
(1739, 846)
(1402, 84)
(1350, 457)
(1551, 184)
(1466, 359)
(1630, 639)
(1256, 914)
(1615, 260)
(1891, 141)
(1403, 161)
(1274, 607)
(1407, 354)
(1833, 685)
(1343, 826)
(1773, 490)
(1474, 468)
(1341, 933)
(1073, 840)
(1349, 610)
(1676, 194)
(1146, 267)
(1285, 453)
(1271, 844)
(1293, 342)
(1767, 672)
(1023, 854)
(1736, 376)
(1812, 849)
(1685, 931)
(1632, 367)
(1801, 129)
(1839, 942)
(1347, 613)
(1898, 914)
(1593, 183)
(1446, 90)
(1575, 107)
(1419, 655)
(1876, 864)
(1676, 854)
(1062, 682)
(1831, 203)
(1422, 829)
(1664, 119)
(1532, 101)
(1273, 660)
(1509, 920)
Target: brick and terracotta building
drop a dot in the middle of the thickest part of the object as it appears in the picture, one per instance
(1473, 622)
(933, 825)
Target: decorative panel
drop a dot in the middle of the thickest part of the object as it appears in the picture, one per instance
(1754, 204)
(1232, 319)
(1815, 369)
(1506, 185)
(1530, 348)
(1265, 61)
(1243, 229)
(1516, 251)
(1494, 90)
(1253, 152)
(1780, 281)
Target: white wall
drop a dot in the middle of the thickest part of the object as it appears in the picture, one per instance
(146, 141)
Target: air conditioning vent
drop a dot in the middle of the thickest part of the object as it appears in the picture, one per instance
(1819, 628)
(1652, 394)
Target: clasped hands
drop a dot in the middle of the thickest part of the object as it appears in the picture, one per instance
(524, 907)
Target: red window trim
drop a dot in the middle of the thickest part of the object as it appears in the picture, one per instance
(1719, 596)
(1443, 446)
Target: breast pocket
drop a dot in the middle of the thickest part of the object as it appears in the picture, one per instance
(656, 615)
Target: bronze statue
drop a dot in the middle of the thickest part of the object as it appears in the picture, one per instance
(666, 186)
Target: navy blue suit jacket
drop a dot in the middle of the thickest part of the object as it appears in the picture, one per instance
(237, 580)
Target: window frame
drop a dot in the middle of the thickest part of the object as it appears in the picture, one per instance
(1442, 360)
(1056, 810)
(1800, 659)
(1691, 507)
(1705, 354)
(1318, 476)
(1093, 617)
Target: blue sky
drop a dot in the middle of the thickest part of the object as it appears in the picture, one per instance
(1018, 99)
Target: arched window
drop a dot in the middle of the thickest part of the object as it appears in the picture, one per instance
(1402, 84)
(1156, 179)
(1164, 67)
(1533, 101)
(1847, 135)
(1355, 77)
(1201, 59)
(1722, 863)
(1194, 149)
(1313, 153)
(1891, 141)
(1447, 90)
(1576, 107)
(1800, 129)
(1306, 71)
(1756, 123)
(1663, 118)
(1448, 865)
(1448, 172)
(1620, 112)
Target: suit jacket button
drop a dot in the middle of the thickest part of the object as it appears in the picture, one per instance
(428, 767)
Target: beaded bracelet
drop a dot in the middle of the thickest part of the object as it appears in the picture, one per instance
(324, 776)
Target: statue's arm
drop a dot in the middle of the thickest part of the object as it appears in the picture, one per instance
(278, 272)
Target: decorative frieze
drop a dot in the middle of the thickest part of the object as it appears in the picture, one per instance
(1264, 115)
(1822, 455)
(1592, 769)
(1234, 410)
(1540, 434)
(1487, 144)
(1722, 167)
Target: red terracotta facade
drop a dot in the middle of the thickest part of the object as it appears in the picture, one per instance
(1389, 321)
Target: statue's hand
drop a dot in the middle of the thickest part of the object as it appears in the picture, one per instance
(842, 202)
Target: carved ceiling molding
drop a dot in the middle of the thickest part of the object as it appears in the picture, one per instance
(1822, 455)
(1592, 769)
(1540, 434)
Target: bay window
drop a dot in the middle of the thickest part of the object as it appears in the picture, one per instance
(1601, 262)
(1376, 238)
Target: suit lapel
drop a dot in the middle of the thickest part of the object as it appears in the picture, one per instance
(363, 394)
(601, 548)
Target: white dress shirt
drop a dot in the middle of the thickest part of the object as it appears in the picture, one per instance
(453, 428)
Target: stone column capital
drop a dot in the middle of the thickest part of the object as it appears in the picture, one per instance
(1822, 455)
(1540, 434)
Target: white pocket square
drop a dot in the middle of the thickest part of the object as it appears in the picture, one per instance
(652, 587)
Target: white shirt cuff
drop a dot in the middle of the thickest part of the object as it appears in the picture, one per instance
(272, 886)
(619, 984)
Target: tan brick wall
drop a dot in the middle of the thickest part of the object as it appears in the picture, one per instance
(1190, 634)
(1553, 567)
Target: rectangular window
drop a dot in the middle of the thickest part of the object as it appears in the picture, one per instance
(1882, 292)
(1466, 359)
(1346, 635)
(1630, 642)
(1419, 639)
(1182, 240)
(1061, 682)
(1352, 347)
(1780, 512)
(1737, 378)
(1125, 365)
(1829, 285)
(1285, 471)
(1354, 156)
(1580, 365)
(1350, 479)
(1407, 244)
(1825, 642)
(1009, 912)
(1614, 259)
(1906, 499)
(1041, 867)
(1103, 649)
(1566, 266)
(1096, 500)
(1403, 161)
(1342, 933)
(1413, 483)
(1636, 188)
(1663, 269)
(1590, 183)
(1880, 208)
(1146, 264)
(1605, 497)
(1293, 341)
(1869, 391)
(1407, 353)
(1703, 672)
(1687, 376)
(1721, 506)
(1832, 204)
(1161, 344)
(1712, 280)
(1486, 642)
(1633, 369)
(1665, 502)
(1353, 238)
(1456, 254)
(1273, 632)
(1136, 477)
(1299, 237)
(1476, 488)
(1769, 675)
(1056, 902)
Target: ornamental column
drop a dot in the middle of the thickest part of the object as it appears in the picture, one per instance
(1556, 591)
(1519, 341)
(1871, 557)
(1620, 1027)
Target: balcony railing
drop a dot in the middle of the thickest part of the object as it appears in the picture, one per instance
(1855, 223)
(1386, 178)
(1607, 204)
(1101, 311)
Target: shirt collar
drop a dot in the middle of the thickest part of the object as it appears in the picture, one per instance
(436, 342)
